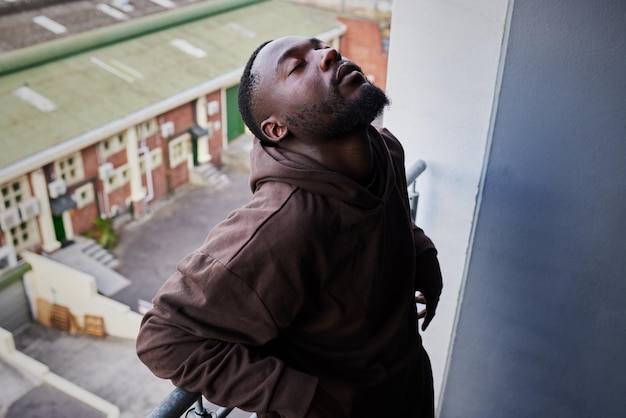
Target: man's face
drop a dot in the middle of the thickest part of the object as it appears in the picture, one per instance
(313, 90)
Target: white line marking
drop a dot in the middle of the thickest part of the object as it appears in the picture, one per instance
(33, 98)
(50, 24)
(128, 69)
(188, 48)
(114, 13)
(168, 4)
(111, 69)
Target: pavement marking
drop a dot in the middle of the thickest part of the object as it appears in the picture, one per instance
(111, 11)
(168, 4)
(188, 48)
(51, 25)
(117, 70)
(33, 98)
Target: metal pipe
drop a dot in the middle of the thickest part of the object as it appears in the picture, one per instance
(175, 404)
(413, 172)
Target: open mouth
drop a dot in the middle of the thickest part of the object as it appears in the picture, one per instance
(345, 70)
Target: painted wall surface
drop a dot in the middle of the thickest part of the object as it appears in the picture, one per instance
(442, 78)
(541, 330)
(57, 283)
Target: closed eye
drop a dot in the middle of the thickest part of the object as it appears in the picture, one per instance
(300, 66)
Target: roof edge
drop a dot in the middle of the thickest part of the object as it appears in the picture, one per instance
(45, 52)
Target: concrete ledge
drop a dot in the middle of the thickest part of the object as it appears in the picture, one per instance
(41, 373)
(27, 365)
(88, 398)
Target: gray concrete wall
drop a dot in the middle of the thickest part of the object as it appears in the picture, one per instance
(541, 329)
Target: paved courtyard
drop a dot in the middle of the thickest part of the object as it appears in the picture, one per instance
(109, 368)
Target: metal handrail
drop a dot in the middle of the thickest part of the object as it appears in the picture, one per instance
(412, 173)
(179, 402)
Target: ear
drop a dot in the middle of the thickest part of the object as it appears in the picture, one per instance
(274, 130)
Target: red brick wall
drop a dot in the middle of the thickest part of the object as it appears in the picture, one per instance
(179, 176)
(90, 161)
(83, 218)
(183, 117)
(159, 180)
(362, 43)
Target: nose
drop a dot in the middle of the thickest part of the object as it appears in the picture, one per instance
(329, 57)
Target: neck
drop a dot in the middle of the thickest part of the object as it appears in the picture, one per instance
(350, 155)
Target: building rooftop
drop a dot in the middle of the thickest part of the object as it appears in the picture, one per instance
(21, 24)
(47, 102)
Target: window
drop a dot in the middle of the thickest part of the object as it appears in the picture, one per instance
(20, 232)
(13, 193)
(113, 145)
(146, 129)
(120, 177)
(24, 235)
(84, 195)
(156, 159)
(70, 169)
(179, 150)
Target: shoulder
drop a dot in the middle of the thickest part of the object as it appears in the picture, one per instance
(279, 213)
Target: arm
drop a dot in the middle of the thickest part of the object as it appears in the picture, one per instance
(206, 334)
(428, 280)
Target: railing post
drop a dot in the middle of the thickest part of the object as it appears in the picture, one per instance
(412, 173)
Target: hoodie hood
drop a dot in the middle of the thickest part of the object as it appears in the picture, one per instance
(275, 164)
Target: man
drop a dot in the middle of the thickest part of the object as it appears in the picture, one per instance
(302, 303)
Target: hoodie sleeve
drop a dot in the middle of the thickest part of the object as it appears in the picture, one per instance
(206, 332)
(428, 278)
(427, 273)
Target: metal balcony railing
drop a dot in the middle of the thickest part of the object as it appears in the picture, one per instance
(180, 403)
(412, 173)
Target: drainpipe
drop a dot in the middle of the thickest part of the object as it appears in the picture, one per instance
(148, 165)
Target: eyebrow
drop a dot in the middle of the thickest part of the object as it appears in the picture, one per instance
(313, 42)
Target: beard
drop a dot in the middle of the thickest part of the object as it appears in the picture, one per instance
(337, 116)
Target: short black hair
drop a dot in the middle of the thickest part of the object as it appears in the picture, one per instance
(247, 96)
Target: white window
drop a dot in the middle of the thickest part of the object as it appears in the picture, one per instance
(14, 193)
(22, 233)
(113, 145)
(156, 159)
(84, 195)
(70, 169)
(146, 129)
(179, 150)
(119, 178)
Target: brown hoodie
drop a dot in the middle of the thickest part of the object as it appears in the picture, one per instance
(312, 283)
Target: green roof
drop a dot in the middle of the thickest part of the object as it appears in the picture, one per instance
(92, 88)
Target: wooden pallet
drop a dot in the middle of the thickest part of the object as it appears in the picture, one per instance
(60, 318)
(94, 325)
